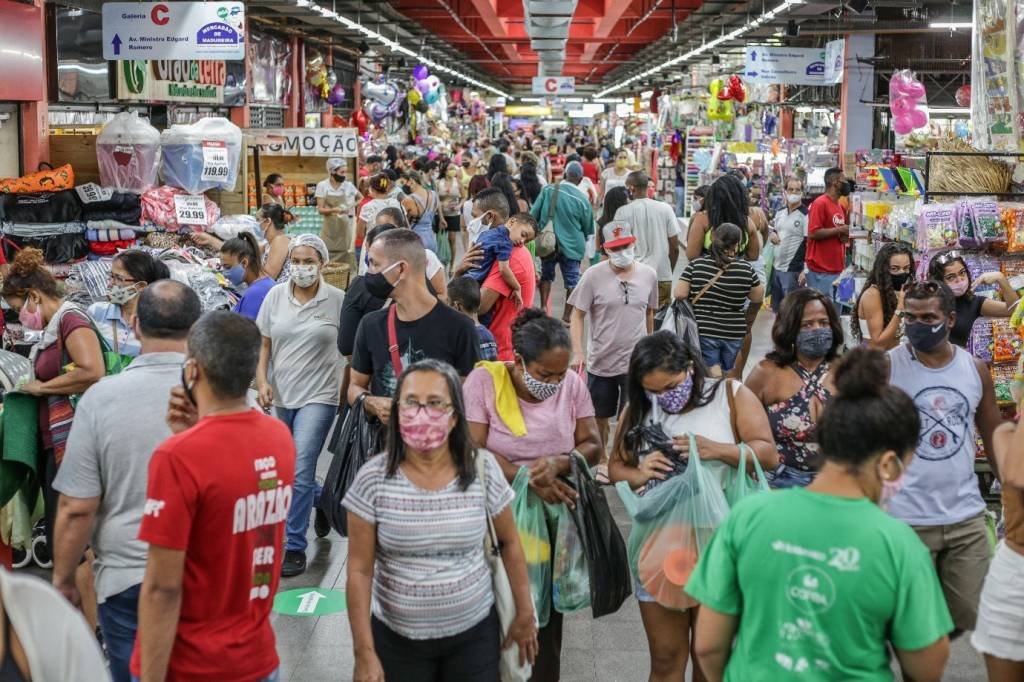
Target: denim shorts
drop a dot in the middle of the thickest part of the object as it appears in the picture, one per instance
(570, 270)
(641, 594)
(721, 352)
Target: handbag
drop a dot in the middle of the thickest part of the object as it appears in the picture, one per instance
(680, 316)
(504, 602)
(547, 242)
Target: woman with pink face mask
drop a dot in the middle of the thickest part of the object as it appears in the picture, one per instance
(420, 600)
(273, 190)
(950, 268)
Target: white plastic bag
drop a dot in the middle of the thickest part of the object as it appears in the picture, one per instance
(128, 153)
(201, 156)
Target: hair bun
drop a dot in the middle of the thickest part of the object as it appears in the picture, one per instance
(862, 373)
(525, 317)
(27, 261)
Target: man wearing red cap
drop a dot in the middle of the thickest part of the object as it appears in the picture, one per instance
(620, 295)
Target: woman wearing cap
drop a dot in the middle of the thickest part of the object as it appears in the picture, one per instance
(335, 199)
(299, 323)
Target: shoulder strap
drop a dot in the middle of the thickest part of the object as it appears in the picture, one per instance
(700, 294)
(732, 409)
(491, 544)
(396, 357)
(554, 200)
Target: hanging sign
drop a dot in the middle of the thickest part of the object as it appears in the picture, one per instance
(554, 85)
(172, 80)
(835, 60)
(309, 601)
(342, 142)
(173, 30)
(190, 209)
(790, 65)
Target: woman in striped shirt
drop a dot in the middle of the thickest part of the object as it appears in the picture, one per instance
(421, 605)
(719, 285)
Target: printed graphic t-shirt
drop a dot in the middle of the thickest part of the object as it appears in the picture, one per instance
(442, 334)
(825, 255)
(227, 513)
(818, 601)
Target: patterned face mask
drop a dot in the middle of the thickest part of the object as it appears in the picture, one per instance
(539, 389)
(675, 400)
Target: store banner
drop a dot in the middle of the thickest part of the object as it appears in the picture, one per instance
(172, 80)
(342, 142)
(173, 30)
(795, 65)
(554, 85)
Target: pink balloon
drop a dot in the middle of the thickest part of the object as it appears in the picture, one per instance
(423, 86)
(902, 125)
(918, 118)
(898, 85)
(914, 89)
(901, 105)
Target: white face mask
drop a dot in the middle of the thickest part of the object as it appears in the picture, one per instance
(477, 224)
(794, 198)
(304, 275)
(623, 258)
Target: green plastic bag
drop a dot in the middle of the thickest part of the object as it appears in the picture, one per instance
(740, 484)
(444, 249)
(672, 526)
(528, 510)
(570, 586)
(769, 264)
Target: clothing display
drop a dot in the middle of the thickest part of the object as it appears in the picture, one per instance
(158, 207)
(42, 229)
(110, 235)
(42, 207)
(128, 152)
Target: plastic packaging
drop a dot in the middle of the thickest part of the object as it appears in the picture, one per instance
(128, 152)
(740, 484)
(230, 226)
(201, 156)
(570, 586)
(531, 522)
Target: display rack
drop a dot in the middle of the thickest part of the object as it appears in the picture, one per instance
(928, 194)
(698, 137)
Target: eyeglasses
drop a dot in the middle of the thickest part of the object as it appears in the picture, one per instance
(949, 256)
(434, 408)
(120, 279)
(625, 291)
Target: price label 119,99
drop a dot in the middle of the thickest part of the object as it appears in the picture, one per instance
(190, 209)
(215, 162)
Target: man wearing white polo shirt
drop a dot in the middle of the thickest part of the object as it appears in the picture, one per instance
(656, 230)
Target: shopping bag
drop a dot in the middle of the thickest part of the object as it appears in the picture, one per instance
(606, 558)
(570, 583)
(444, 249)
(740, 484)
(351, 445)
(672, 526)
(528, 510)
(680, 318)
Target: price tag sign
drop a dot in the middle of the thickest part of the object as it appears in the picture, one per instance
(190, 209)
(91, 193)
(215, 162)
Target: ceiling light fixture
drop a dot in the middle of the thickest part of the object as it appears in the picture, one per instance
(951, 25)
(764, 18)
(395, 46)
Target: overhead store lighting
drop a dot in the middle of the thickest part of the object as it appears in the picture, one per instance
(395, 46)
(951, 25)
(949, 110)
(697, 51)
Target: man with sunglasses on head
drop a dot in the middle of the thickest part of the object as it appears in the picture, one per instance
(938, 495)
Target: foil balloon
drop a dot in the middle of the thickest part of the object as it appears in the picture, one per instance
(414, 97)
(423, 86)
(420, 72)
(433, 82)
(718, 109)
(432, 97)
(376, 111)
(336, 96)
(963, 96)
(962, 130)
(332, 78)
(317, 78)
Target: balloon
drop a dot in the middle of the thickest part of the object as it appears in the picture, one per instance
(332, 78)
(963, 96)
(336, 96)
(383, 91)
(317, 78)
(432, 97)
(914, 89)
(918, 118)
(899, 83)
(423, 86)
(314, 61)
(420, 72)
(434, 82)
(360, 121)
(414, 97)
(902, 125)
(325, 90)
(962, 130)
(901, 105)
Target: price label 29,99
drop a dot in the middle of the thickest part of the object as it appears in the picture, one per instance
(190, 209)
(215, 162)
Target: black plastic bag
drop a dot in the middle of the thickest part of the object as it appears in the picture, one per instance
(607, 561)
(353, 442)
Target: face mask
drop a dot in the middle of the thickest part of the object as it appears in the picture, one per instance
(338, 178)
(235, 275)
(421, 432)
(377, 285)
(675, 400)
(621, 163)
(31, 319)
(794, 198)
(539, 389)
(623, 258)
(304, 275)
(926, 337)
(477, 224)
(188, 389)
(844, 189)
(899, 280)
(890, 488)
(697, 205)
(452, 173)
(407, 189)
(959, 288)
(277, 190)
(119, 294)
(814, 343)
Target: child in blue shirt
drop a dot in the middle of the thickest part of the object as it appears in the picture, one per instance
(464, 296)
(497, 243)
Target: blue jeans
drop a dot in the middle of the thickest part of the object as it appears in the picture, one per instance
(788, 477)
(680, 201)
(721, 352)
(272, 677)
(570, 270)
(309, 425)
(119, 619)
(822, 282)
(783, 283)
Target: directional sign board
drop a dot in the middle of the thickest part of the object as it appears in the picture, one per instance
(309, 601)
(554, 85)
(173, 30)
(795, 65)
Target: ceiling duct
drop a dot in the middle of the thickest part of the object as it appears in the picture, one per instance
(547, 24)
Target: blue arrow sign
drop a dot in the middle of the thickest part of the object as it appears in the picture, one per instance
(116, 42)
(753, 55)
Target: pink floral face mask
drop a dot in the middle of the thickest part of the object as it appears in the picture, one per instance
(422, 431)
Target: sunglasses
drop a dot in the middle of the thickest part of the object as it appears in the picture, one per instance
(948, 257)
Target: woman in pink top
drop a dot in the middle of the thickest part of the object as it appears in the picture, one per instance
(559, 419)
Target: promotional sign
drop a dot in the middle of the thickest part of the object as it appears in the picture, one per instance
(793, 65)
(835, 59)
(173, 30)
(342, 142)
(554, 85)
(172, 80)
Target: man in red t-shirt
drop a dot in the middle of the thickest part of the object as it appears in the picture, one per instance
(216, 507)
(827, 234)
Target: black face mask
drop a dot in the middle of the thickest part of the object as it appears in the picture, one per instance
(377, 285)
(845, 188)
(338, 178)
(407, 189)
(184, 385)
(898, 281)
(927, 337)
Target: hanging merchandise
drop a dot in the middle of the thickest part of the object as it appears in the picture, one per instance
(48, 179)
(718, 109)
(128, 153)
(907, 103)
(201, 156)
(963, 95)
(994, 64)
(381, 98)
(734, 90)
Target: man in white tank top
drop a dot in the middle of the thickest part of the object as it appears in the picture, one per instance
(939, 495)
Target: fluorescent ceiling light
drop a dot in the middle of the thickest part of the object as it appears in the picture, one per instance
(395, 47)
(953, 25)
(948, 110)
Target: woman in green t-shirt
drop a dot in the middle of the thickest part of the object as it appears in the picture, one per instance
(814, 583)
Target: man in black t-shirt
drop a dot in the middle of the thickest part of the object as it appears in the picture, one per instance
(424, 327)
